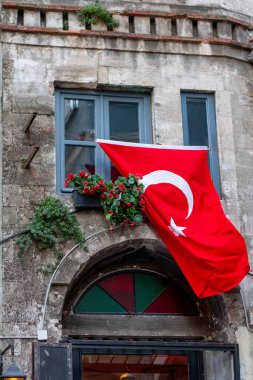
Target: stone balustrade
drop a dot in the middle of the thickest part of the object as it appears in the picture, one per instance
(157, 24)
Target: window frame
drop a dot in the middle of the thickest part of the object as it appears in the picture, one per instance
(209, 99)
(101, 125)
(194, 350)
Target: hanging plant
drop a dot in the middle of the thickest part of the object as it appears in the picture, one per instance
(51, 225)
(122, 200)
(90, 14)
(85, 183)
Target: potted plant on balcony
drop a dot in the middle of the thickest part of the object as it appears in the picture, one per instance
(87, 189)
(122, 200)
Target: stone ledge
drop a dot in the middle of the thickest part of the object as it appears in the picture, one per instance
(132, 36)
(38, 7)
(172, 15)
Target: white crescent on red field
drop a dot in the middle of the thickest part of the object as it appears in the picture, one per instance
(164, 176)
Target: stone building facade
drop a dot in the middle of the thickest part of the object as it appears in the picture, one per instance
(162, 55)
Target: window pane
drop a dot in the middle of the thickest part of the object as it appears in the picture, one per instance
(79, 158)
(197, 122)
(123, 119)
(142, 367)
(79, 117)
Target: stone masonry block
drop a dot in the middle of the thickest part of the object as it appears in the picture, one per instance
(54, 20)
(163, 26)
(9, 16)
(123, 24)
(205, 29)
(74, 23)
(241, 35)
(142, 25)
(100, 26)
(184, 28)
(31, 18)
(224, 30)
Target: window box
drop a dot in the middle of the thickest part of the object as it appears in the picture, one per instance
(86, 202)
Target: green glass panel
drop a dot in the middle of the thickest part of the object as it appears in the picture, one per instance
(147, 288)
(98, 301)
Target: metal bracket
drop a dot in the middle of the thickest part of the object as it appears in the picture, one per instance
(33, 153)
(27, 130)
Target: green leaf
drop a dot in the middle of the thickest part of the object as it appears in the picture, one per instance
(137, 218)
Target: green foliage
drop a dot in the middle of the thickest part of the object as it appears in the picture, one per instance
(51, 225)
(123, 201)
(85, 183)
(89, 14)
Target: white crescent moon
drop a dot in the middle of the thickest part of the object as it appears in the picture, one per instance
(164, 176)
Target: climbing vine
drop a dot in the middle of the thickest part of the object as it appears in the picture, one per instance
(51, 225)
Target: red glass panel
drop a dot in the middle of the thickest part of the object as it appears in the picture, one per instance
(172, 301)
(121, 288)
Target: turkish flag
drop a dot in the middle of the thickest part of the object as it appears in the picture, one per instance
(184, 208)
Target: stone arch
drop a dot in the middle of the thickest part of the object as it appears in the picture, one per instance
(112, 249)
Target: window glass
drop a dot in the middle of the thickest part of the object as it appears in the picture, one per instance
(197, 122)
(123, 120)
(79, 158)
(135, 292)
(199, 128)
(79, 120)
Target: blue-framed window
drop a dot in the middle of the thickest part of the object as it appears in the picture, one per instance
(82, 117)
(199, 128)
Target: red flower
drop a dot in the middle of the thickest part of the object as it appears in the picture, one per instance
(82, 173)
(65, 184)
(129, 204)
(116, 195)
(103, 196)
(121, 187)
(70, 177)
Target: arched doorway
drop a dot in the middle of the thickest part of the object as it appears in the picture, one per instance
(131, 308)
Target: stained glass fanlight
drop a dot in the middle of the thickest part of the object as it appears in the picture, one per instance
(134, 292)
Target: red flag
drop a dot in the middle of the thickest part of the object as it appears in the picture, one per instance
(185, 210)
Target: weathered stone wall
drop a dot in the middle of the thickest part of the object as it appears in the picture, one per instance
(34, 62)
(245, 7)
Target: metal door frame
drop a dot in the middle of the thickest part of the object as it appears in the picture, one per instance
(193, 349)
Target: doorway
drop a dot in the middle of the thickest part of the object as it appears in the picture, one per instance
(109, 360)
(154, 360)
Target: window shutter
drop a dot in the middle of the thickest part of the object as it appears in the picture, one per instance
(52, 361)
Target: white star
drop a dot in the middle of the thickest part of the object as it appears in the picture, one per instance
(177, 230)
